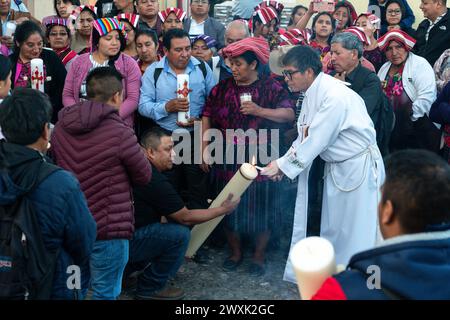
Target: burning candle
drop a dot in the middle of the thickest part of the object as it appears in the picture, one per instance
(37, 74)
(183, 92)
(313, 261)
(236, 186)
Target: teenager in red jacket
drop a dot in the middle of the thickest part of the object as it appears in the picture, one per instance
(94, 142)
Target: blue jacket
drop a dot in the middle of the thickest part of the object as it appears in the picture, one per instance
(67, 225)
(413, 266)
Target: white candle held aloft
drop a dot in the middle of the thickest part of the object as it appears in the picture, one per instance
(236, 186)
(313, 260)
(37, 74)
(183, 92)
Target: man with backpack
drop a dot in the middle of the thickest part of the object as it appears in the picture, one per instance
(346, 52)
(159, 102)
(46, 230)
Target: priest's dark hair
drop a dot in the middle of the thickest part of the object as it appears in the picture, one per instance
(103, 83)
(418, 185)
(24, 114)
(303, 58)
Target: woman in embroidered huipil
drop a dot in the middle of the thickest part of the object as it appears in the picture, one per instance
(29, 45)
(58, 38)
(270, 107)
(409, 82)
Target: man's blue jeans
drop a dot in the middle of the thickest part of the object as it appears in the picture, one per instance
(163, 246)
(107, 263)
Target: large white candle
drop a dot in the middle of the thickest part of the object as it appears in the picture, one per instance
(313, 261)
(236, 186)
(37, 74)
(183, 92)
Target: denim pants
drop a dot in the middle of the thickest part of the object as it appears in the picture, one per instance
(159, 250)
(107, 263)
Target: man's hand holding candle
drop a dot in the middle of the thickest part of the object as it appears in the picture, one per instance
(272, 171)
(229, 205)
(177, 105)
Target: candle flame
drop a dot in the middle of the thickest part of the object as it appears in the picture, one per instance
(253, 161)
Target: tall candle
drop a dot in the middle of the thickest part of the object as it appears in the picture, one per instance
(37, 74)
(313, 261)
(183, 92)
(236, 186)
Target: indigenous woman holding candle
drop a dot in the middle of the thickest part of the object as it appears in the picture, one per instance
(29, 43)
(58, 37)
(269, 107)
(130, 22)
(409, 82)
(80, 25)
(108, 42)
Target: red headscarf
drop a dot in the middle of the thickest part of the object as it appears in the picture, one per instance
(258, 46)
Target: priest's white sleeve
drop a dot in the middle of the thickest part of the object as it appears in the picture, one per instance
(323, 131)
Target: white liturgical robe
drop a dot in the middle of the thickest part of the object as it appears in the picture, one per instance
(334, 124)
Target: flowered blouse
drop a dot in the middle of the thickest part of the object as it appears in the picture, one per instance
(23, 74)
(393, 86)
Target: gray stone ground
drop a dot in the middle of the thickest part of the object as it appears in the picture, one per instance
(210, 282)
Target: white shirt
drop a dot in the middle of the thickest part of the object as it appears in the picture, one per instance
(196, 28)
(21, 7)
(419, 82)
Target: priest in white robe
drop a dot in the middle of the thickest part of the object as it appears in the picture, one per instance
(333, 124)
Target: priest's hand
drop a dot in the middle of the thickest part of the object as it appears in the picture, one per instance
(272, 171)
(249, 108)
(229, 204)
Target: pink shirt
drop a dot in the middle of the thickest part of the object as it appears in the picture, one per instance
(127, 67)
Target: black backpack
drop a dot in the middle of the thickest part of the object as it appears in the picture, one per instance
(26, 267)
(141, 123)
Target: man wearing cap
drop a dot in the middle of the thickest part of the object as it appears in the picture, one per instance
(159, 102)
(201, 23)
(334, 124)
(346, 52)
(433, 33)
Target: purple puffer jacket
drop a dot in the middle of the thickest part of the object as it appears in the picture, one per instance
(92, 141)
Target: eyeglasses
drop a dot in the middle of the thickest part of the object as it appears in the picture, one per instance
(394, 12)
(55, 34)
(199, 1)
(288, 74)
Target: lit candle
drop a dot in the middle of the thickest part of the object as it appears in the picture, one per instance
(313, 261)
(37, 74)
(236, 186)
(183, 92)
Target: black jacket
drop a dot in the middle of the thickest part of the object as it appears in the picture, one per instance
(438, 40)
(53, 86)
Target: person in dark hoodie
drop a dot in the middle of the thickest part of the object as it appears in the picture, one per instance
(66, 224)
(414, 218)
(93, 142)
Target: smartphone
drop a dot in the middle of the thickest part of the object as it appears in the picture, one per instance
(323, 5)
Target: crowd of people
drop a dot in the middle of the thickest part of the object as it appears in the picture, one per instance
(343, 92)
